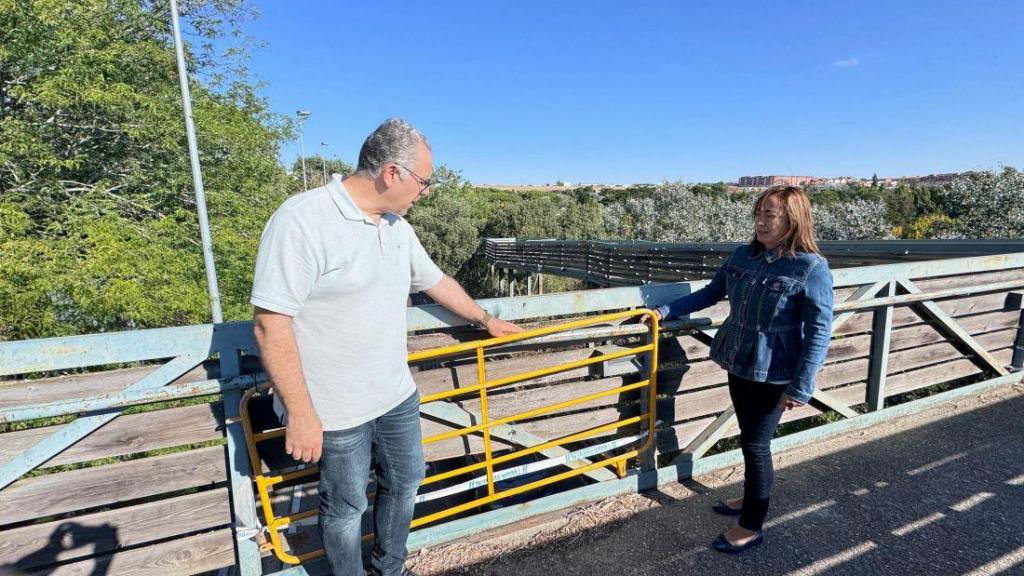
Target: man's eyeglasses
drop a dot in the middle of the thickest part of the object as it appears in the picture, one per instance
(423, 182)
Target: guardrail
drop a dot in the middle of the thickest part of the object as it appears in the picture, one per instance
(631, 262)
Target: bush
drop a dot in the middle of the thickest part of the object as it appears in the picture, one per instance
(987, 204)
(856, 220)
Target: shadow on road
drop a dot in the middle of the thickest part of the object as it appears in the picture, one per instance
(945, 498)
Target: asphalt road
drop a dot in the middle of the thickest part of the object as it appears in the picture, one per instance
(941, 492)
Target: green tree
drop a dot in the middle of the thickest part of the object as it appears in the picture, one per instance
(98, 211)
(447, 222)
(316, 168)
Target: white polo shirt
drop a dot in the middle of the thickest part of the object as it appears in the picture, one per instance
(345, 281)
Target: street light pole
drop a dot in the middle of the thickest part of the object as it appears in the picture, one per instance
(323, 160)
(302, 114)
(197, 173)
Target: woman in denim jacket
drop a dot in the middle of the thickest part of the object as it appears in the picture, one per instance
(772, 344)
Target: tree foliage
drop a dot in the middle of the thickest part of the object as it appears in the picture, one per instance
(97, 209)
(855, 220)
(318, 170)
(987, 204)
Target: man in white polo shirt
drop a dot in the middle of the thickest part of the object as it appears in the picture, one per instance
(335, 268)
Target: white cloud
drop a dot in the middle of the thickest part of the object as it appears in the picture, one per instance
(848, 63)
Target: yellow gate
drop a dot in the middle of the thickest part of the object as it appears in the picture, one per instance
(265, 483)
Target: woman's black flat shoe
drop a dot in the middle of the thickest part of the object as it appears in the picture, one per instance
(722, 544)
(725, 510)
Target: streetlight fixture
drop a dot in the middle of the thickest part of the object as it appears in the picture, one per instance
(323, 160)
(197, 173)
(302, 114)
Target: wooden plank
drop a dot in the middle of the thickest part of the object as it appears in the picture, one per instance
(49, 494)
(723, 425)
(972, 279)
(852, 347)
(936, 314)
(193, 555)
(127, 435)
(677, 436)
(84, 425)
(823, 401)
(911, 336)
(904, 316)
(64, 388)
(65, 540)
(940, 373)
(908, 359)
(862, 293)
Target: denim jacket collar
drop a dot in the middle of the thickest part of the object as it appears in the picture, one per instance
(758, 250)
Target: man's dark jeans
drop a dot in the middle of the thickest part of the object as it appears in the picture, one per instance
(758, 414)
(392, 443)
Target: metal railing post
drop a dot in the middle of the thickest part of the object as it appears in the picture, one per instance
(648, 401)
(245, 525)
(1015, 301)
(881, 337)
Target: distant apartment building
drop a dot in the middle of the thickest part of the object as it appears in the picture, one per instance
(775, 180)
(836, 181)
(930, 179)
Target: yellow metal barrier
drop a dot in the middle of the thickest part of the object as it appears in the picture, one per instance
(265, 482)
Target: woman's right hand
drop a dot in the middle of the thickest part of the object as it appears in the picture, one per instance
(646, 320)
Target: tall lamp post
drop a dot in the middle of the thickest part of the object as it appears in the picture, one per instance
(197, 173)
(302, 114)
(323, 160)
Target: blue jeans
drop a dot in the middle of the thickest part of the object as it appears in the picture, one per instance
(758, 414)
(392, 444)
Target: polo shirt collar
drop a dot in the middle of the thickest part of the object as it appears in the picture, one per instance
(344, 202)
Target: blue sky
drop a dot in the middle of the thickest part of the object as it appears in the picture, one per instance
(528, 91)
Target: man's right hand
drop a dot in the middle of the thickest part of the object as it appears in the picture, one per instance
(304, 438)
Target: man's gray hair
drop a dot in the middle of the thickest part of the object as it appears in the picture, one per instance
(394, 141)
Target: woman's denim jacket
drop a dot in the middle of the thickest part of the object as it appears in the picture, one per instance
(780, 317)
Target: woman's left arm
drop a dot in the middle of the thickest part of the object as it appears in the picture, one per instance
(816, 317)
